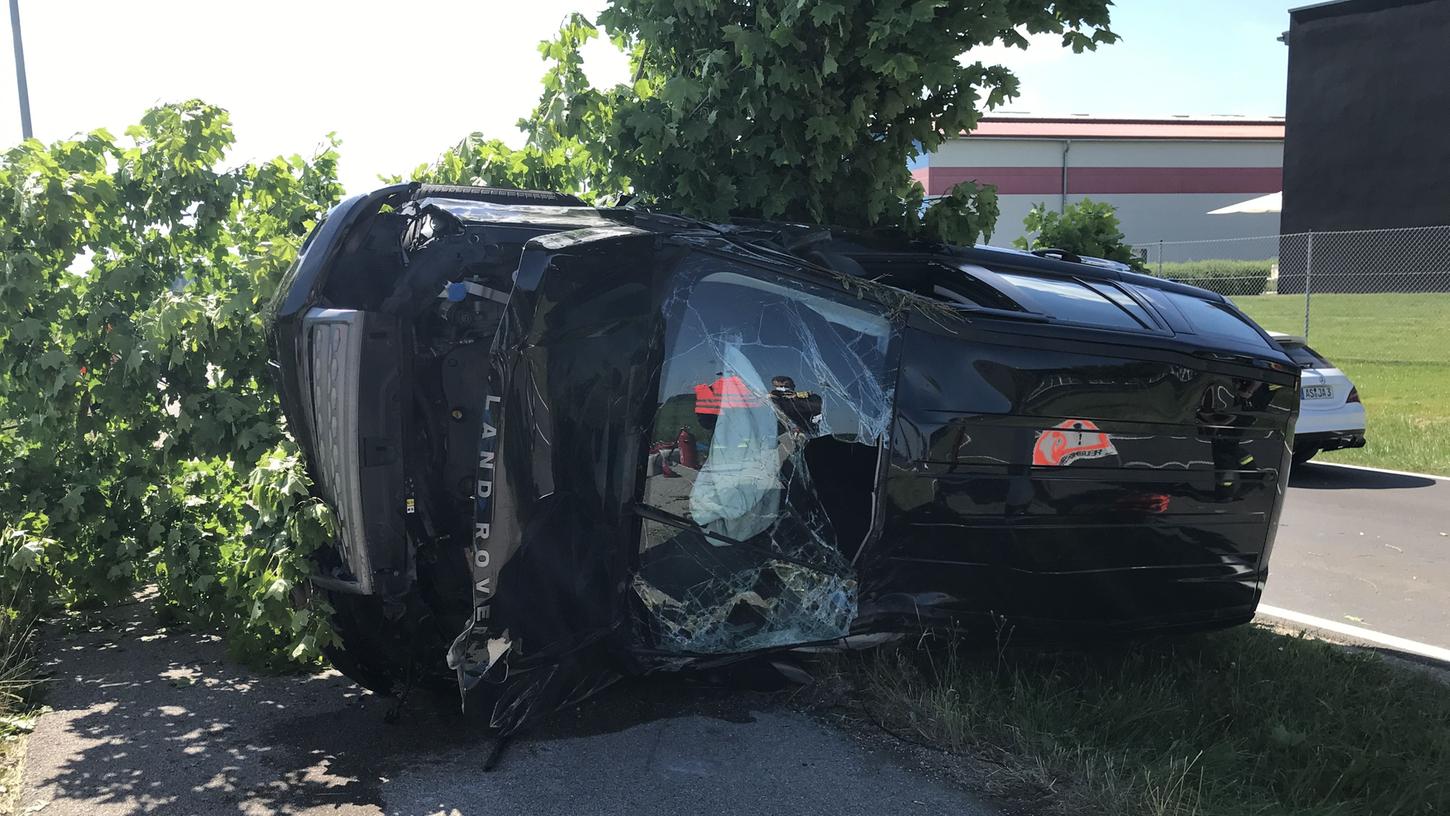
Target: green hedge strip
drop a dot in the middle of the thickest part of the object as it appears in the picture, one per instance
(1222, 275)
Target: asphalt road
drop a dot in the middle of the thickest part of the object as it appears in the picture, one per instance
(158, 722)
(1365, 548)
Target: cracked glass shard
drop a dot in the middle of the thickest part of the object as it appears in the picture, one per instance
(733, 605)
(765, 382)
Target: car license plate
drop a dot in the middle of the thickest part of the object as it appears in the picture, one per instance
(1318, 392)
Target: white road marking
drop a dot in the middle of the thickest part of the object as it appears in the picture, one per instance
(1382, 470)
(1359, 633)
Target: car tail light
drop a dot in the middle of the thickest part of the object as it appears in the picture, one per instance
(1353, 395)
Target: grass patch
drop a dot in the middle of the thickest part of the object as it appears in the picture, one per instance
(17, 681)
(1241, 722)
(25, 591)
(1396, 349)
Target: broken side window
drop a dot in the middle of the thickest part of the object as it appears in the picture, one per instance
(773, 406)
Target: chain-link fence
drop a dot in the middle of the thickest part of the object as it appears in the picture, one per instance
(1412, 259)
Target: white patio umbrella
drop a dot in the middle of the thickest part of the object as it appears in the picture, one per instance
(1270, 203)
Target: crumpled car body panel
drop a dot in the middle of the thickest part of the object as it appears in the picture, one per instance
(687, 443)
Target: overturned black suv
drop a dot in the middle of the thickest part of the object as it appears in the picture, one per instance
(567, 444)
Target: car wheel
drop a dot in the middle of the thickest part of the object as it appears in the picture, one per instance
(388, 646)
(1302, 455)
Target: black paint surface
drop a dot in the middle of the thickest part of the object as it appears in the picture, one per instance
(699, 442)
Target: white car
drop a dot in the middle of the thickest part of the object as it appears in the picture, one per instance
(1331, 416)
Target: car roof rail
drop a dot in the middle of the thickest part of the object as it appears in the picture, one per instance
(497, 195)
(1060, 254)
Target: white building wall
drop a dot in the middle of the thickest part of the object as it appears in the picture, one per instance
(1144, 217)
(1014, 210)
(1172, 217)
(979, 152)
(1123, 153)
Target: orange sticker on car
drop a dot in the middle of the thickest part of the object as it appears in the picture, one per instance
(1070, 441)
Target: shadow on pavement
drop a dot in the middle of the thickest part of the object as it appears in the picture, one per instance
(1329, 477)
(157, 721)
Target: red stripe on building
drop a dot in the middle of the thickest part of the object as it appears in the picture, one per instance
(1008, 180)
(1087, 180)
(1110, 180)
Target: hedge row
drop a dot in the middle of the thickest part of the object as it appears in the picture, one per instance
(1227, 277)
(140, 440)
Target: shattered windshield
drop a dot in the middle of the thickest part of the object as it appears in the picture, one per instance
(773, 401)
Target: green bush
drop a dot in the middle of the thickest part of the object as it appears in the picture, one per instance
(140, 442)
(1086, 228)
(1227, 277)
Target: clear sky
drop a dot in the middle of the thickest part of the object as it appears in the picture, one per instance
(400, 82)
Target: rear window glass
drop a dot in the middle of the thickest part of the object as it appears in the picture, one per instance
(1209, 317)
(1124, 300)
(1303, 355)
(1070, 300)
(962, 285)
(951, 284)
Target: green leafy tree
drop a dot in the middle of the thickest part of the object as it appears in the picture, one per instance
(811, 111)
(139, 436)
(968, 211)
(778, 108)
(1085, 228)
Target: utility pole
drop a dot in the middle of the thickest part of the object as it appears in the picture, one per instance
(20, 70)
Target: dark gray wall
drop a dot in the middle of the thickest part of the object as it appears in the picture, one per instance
(1367, 139)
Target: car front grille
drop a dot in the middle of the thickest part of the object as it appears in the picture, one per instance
(332, 366)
